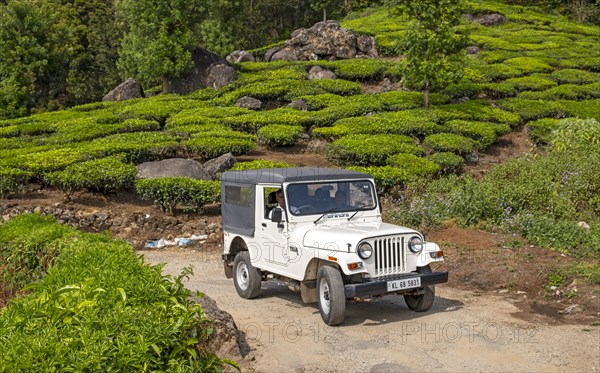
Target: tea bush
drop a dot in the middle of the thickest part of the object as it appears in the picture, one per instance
(168, 192)
(205, 115)
(413, 164)
(11, 179)
(449, 142)
(100, 175)
(386, 177)
(540, 129)
(482, 132)
(476, 110)
(207, 146)
(138, 147)
(581, 109)
(463, 89)
(99, 307)
(584, 63)
(357, 69)
(369, 149)
(499, 90)
(532, 109)
(574, 133)
(573, 76)
(532, 83)
(52, 160)
(565, 92)
(259, 163)
(275, 135)
(449, 162)
(255, 120)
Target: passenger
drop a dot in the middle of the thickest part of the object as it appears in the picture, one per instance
(340, 199)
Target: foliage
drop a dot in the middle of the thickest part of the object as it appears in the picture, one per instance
(386, 177)
(541, 129)
(449, 162)
(369, 149)
(258, 164)
(160, 38)
(99, 307)
(532, 83)
(565, 92)
(573, 76)
(100, 175)
(573, 133)
(168, 192)
(413, 164)
(449, 142)
(434, 50)
(275, 135)
(206, 146)
(482, 132)
(11, 179)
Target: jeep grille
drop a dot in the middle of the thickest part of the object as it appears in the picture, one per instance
(390, 255)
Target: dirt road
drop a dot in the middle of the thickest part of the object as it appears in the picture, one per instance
(464, 331)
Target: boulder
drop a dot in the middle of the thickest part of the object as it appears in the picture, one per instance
(318, 73)
(219, 164)
(127, 90)
(248, 102)
(173, 167)
(210, 70)
(324, 41)
(298, 104)
(491, 19)
(239, 57)
(226, 340)
(472, 49)
(219, 76)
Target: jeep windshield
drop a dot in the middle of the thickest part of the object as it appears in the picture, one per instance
(335, 197)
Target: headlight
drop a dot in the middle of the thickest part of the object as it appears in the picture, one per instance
(365, 250)
(415, 244)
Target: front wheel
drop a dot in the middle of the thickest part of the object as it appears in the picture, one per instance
(421, 302)
(246, 277)
(332, 297)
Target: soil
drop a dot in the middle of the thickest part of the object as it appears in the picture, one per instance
(496, 313)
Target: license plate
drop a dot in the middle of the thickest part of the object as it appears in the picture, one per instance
(405, 283)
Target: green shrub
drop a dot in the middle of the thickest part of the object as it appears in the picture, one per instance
(369, 149)
(259, 163)
(357, 69)
(541, 129)
(207, 146)
(573, 133)
(477, 110)
(499, 90)
(204, 115)
(529, 65)
(532, 109)
(400, 100)
(138, 147)
(385, 177)
(52, 160)
(275, 135)
(168, 192)
(573, 76)
(337, 86)
(532, 83)
(497, 56)
(157, 108)
(11, 179)
(584, 63)
(98, 308)
(100, 175)
(448, 162)
(482, 132)
(463, 89)
(565, 92)
(449, 142)
(253, 121)
(413, 165)
(581, 109)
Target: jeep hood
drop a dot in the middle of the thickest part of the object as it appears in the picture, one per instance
(324, 236)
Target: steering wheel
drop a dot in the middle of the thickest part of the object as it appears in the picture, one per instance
(305, 208)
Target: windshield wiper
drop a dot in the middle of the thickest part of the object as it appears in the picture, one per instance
(359, 210)
(325, 213)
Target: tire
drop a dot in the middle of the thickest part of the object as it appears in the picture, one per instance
(246, 277)
(421, 302)
(331, 295)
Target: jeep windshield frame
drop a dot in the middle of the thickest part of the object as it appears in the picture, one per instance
(333, 196)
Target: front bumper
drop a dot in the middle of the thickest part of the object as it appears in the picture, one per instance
(379, 287)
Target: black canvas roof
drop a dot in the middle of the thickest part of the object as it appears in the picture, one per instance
(281, 175)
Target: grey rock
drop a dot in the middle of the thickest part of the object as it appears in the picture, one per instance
(298, 104)
(285, 55)
(318, 73)
(248, 102)
(472, 49)
(491, 19)
(472, 157)
(269, 53)
(239, 57)
(207, 72)
(219, 164)
(220, 75)
(127, 90)
(173, 167)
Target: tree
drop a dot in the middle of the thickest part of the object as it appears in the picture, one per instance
(161, 36)
(435, 52)
(34, 45)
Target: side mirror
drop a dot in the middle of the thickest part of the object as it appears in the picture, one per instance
(277, 215)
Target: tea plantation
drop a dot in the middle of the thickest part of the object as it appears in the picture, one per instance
(535, 70)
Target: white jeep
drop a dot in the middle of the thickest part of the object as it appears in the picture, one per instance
(327, 241)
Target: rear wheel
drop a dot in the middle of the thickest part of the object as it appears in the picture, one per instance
(332, 297)
(246, 277)
(421, 302)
